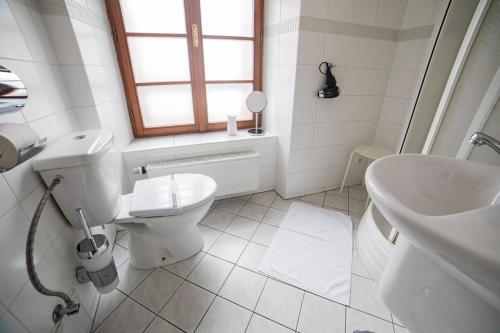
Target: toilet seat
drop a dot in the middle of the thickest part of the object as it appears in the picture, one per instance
(171, 195)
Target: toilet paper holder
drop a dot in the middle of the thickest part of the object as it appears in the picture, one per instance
(33, 149)
(27, 152)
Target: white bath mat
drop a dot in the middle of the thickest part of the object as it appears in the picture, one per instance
(312, 250)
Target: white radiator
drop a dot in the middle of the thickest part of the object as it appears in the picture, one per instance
(234, 173)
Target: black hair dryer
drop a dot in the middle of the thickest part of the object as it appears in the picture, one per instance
(331, 90)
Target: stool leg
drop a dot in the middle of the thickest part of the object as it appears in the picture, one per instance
(346, 172)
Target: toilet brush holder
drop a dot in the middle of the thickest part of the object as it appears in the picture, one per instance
(96, 256)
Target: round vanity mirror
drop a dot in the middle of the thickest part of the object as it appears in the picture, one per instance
(13, 92)
(256, 103)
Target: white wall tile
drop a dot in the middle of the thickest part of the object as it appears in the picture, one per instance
(341, 10)
(11, 35)
(394, 110)
(305, 109)
(63, 39)
(364, 11)
(288, 45)
(34, 33)
(22, 179)
(386, 134)
(418, 13)
(309, 80)
(272, 10)
(13, 231)
(408, 54)
(390, 13)
(289, 9)
(311, 50)
(300, 160)
(335, 50)
(8, 198)
(303, 135)
(400, 84)
(315, 8)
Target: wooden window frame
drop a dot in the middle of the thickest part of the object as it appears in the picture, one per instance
(196, 63)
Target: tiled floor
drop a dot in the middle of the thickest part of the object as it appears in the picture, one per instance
(221, 290)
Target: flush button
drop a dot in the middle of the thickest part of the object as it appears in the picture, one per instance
(79, 137)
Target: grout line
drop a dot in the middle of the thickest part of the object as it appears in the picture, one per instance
(300, 310)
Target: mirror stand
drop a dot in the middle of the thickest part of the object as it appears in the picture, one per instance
(256, 131)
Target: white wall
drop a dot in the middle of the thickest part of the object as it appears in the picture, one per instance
(26, 49)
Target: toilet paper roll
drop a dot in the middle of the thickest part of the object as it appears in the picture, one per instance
(13, 137)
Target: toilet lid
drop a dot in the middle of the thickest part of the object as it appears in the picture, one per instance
(171, 195)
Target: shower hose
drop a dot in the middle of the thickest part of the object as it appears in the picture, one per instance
(71, 306)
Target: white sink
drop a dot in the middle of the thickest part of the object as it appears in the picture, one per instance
(449, 213)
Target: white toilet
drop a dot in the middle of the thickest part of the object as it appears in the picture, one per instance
(161, 214)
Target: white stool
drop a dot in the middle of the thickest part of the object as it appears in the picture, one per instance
(371, 153)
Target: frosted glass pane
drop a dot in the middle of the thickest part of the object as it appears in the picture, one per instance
(159, 59)
(228, 99)
(228, 59)
(166, 16)
(166, 105)
(227, 17)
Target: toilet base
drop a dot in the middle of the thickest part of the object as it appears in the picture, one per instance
(148, 250)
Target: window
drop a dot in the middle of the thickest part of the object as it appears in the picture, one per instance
(187, 64)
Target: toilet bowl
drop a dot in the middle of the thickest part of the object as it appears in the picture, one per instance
(163, 230)
(161, 214)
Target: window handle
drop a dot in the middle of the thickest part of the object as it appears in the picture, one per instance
(194, 31)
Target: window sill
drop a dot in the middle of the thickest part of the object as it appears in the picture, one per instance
(186, 145)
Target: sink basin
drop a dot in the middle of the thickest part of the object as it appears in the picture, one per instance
(448, 211)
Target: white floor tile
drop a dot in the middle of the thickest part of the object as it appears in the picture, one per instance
(319, 315)
(252, 256)
(264, 234)
(357, 265)
(184, 267)
(161, 326)
(130, 277)
(337, 202)
(358, 194)
(218, 219)
(209, 236)
(155, 291)
(259, 324)
(345, 192)
(228, 247)
(316, 198)
(253, 211)
(282, 204)
(231, 205)
(243, 287)
(123, 241)
(264, 198)
(210, 273)
(281, 303)
(356, 320)
(365, 297)
(107, 304)
(188, 305)
(242, 227)
(274, 217)
(224, 317)
(120, 255)
(356, 206)
(130, 317)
